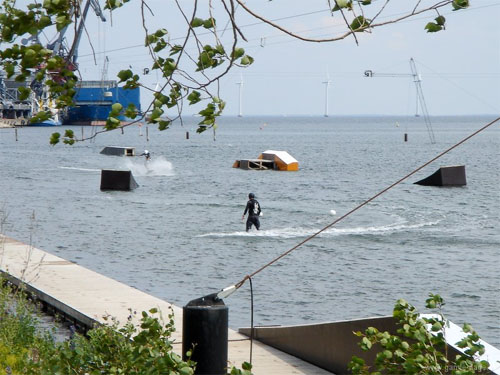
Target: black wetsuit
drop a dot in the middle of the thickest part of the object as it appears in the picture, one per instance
(253, 209)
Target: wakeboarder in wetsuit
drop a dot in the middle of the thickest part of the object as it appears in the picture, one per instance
(253, 209)
(146, 154)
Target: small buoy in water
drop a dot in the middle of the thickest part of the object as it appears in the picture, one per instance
(333, 212)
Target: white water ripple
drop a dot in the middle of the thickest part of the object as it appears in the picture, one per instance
(299, 232)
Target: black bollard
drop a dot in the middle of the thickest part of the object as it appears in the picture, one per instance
(205, 327)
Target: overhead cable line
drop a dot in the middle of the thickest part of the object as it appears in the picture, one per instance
(292, 17)
(209, 33)
(443, 77)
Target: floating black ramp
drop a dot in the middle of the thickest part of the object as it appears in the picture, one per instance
(117, 180)
(118, 151)
(446, 176)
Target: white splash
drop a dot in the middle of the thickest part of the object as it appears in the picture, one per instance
(333, 212)
(158, 166)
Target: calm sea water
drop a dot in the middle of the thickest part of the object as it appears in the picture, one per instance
(180, 236)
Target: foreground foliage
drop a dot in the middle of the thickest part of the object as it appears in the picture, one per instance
(189, 58)
(420, 345)
(108, 349)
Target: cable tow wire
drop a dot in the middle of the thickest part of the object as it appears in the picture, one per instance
(240, 283)
(251, 319)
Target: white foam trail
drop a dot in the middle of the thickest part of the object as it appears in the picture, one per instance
(332, 232)
(158, 166)
(81, 169)
(383, 229)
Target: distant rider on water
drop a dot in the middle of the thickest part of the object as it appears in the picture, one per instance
(146, 154)
(254, 211)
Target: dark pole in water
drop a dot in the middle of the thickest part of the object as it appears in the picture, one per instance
(205, 332)
(82, 132)
(15, 130)
(187, 135)
(406, 137)
(147, 134)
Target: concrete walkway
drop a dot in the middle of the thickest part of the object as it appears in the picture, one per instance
(88, 297)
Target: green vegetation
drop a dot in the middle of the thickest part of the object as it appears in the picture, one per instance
(108, 349)
(419, 346)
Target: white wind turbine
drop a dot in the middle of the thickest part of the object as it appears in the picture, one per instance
(327, 85)
(240, 83)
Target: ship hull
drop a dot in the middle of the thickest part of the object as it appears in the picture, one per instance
(93, 101)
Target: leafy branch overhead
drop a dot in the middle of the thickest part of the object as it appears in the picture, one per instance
(189, 60)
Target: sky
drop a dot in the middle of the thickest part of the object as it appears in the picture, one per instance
(458, 67)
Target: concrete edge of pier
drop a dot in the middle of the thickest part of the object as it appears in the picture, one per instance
(86, 298)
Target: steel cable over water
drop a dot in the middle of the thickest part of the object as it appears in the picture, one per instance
(236, 286)
(240, 283)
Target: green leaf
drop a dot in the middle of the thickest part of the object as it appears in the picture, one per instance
(161, 32)
(237, 53)
(69, 133)
(220, 49)
(54, 138)
(440, 20)
(62, 21)
(44, 21)
(340, 4)
(163, 124)
(246, 60)
(116, 107)
(431, 304)
(157, 112)
(112, 123)
(125, 75)
(175, 49)
(366, 343)
(194, 97)
(246, 366)
(197, 22)
(467, 328)
(432, 27)
(209, 23)
(460, 4)
(360, 23)
(436, 327)
(387, 354)
(24, 92)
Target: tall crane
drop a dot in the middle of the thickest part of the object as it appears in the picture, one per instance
(58, 47)
(420, 100)
(14, 109)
